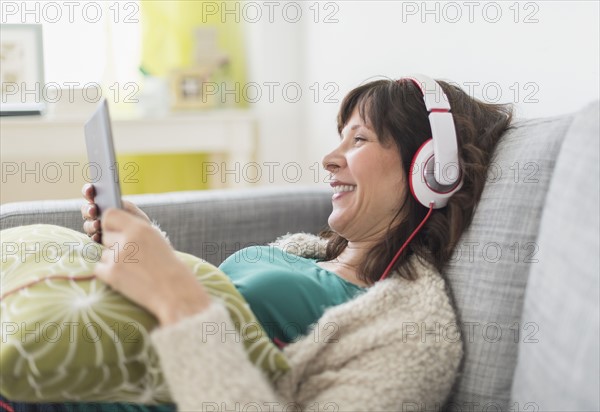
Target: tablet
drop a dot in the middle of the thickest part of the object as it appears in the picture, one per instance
(103, 170)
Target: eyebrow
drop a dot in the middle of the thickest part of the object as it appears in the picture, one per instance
(357, 126)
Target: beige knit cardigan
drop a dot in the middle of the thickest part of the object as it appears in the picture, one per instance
(395, 347)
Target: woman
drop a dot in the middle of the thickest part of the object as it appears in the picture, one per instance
(395, 346)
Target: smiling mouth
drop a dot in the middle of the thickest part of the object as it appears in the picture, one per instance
(343, 188)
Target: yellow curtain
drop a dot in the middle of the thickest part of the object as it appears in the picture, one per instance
(167, 34)
(157, 173)
(167, 44)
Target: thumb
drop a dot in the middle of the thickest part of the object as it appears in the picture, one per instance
(115, 219)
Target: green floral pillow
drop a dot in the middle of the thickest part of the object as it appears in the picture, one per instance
(66, 336)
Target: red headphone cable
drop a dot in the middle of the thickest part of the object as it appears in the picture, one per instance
(6, 406)
(389, 267)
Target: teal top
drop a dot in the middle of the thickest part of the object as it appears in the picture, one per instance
(286, 293)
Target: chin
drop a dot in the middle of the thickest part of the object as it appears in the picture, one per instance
(335, 224)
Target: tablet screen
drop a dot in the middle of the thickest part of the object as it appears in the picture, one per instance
(103, 168)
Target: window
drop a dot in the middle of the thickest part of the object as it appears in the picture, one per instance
(85, 42)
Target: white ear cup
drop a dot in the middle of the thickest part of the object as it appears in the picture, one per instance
(435, 171)
(423, 185)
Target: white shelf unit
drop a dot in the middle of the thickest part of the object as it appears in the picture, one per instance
(33, 148)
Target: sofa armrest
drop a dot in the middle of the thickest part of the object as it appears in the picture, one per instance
(210, 224)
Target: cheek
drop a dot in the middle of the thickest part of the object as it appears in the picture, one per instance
(379, 173)
(395, 182)
(390, 167)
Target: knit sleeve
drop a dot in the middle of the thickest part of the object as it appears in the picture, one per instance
(380, 380)
(206, 367)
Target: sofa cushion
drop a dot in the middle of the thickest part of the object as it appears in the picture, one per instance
(559, 369)
(490, 267)
(66, 336)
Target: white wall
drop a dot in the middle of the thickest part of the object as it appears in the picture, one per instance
(546, 67)
(276, 62)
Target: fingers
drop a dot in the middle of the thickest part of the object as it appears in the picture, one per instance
(88, 192)
(91, 227)
(89, 211)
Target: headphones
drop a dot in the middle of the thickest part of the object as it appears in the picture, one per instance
(435, 173)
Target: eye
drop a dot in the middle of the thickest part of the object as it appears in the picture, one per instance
(359, 138)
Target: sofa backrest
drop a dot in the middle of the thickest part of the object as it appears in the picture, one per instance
(215, 224)
(209, 224)
(558, 366)
(489, 271)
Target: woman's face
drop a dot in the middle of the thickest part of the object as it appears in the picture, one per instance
(368, 181)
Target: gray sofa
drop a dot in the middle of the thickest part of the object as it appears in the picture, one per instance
(524, 277)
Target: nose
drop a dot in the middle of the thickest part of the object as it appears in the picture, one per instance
(333, 160)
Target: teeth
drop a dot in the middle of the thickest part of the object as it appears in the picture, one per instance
(343, 188)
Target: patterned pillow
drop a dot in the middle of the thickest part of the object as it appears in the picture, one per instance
(66, 336)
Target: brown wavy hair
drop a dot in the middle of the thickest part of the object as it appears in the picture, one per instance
(396, 112)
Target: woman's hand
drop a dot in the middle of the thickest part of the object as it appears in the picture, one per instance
(140, 264)
(89, 211)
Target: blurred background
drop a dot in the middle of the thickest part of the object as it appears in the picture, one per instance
(229, 94)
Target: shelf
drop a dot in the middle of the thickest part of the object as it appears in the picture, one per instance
(32, 147)
(224, 131)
